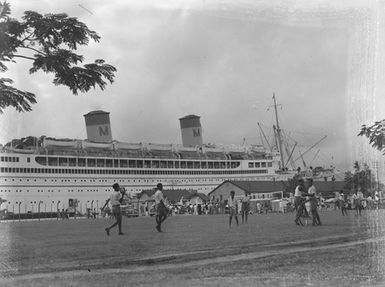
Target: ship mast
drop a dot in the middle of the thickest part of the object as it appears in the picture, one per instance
(279, 134)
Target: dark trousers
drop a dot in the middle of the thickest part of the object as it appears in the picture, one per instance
(161, 214)
(343, 208)
(300, 211)
(118, 216)
(315, 215)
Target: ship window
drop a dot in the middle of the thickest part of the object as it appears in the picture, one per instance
(269, 164)
(251, 164)
(216, 164)
(263, 164)
(177, 164)
(197, 164)
(108, 162)
(41, 160)
(52, 161)
(182, 164)
(163, 164)
(91, 162)
(170, 164)
(116, 163)
(100, 162)
(155, 164)
(72, 161)
(132, 163)
(63, 161)
(147, 164)
(81, 162)
(123, 163)
(28, 159)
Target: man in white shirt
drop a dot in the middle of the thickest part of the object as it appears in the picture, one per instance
(298, 194)
(245, 208)
(116, 199)
(299, 202)
(342, 203)
(312, 193)
(233, 207)
(161, 209)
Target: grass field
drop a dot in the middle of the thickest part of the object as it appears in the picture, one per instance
(196, 251)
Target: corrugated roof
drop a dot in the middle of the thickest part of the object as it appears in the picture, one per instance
(323, 187)
(202, 196)
(172, 195)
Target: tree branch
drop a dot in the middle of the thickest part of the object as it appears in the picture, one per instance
(25, 57)
(40, 52)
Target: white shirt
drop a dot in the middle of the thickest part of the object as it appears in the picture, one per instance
(297, 192)
(158, 196)
(232, 202)
(312, 190)
(115, 197)
(245, 199)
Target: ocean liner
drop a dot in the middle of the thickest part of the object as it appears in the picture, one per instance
(46, 174)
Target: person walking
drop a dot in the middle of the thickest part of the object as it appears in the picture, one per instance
(245, 207)
(342, 203)
(360, 200)
(298, 199)
(233, 208)
(299, 202)
(314, 209)
(312, 196)
(116, 199)
(161, 209)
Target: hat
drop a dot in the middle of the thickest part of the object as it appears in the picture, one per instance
(115, 185)
(159, 185)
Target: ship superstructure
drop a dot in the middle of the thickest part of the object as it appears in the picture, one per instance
(47, 174)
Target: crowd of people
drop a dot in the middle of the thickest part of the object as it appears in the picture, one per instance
(307, 202)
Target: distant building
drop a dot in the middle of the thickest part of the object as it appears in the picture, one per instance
(262, 190)
(172, 196)
(198, 198)
(268, 190)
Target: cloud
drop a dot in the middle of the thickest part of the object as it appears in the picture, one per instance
(175, 59)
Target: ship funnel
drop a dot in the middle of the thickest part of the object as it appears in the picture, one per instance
(98, 127)
(191, 131)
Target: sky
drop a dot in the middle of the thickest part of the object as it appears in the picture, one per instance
(222, 61)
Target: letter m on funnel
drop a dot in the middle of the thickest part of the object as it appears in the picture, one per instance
(104, 132)
(98, 127)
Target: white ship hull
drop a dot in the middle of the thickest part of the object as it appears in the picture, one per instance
(38, 182)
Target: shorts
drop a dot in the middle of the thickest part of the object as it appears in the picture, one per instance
(245, 207)
(116, 211)
(161, 209)
(233, 211)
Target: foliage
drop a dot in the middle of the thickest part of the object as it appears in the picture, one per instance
(49, 41)
(348, 179)
(362, 178)
(376, 135)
